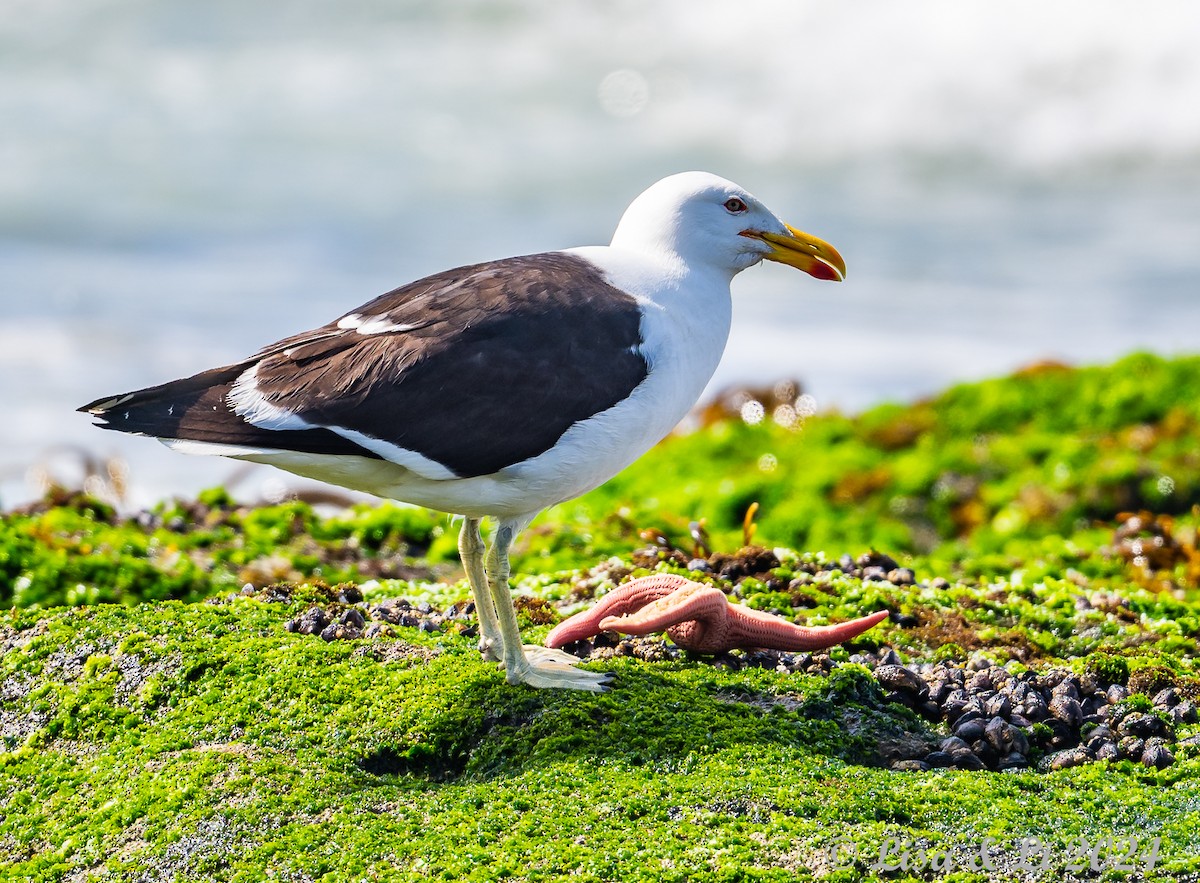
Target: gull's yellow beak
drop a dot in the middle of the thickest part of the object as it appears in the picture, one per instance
(814, 256)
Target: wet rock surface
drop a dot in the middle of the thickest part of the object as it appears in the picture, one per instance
(1012, 720)
(996, 717)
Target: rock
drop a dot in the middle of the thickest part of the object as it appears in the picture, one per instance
(902, 680)
(1191, 742)
(699, 565)
(312, 621)
(901, 576)
(354, 617)
(1098, 735)
(1034, 708)
(999, 735)
(1166, 698)
(954, 746)
(939, 759)
(1061, 735)
(1065, 689)
(1066, 710)
(931, 711)
(1052, 678)
(952, 707)
(889, 657)
(1157, 756)
(981, 682)
(1013, 761)
(979, 661)
(1132, 747)
(971, 730)
(1142, 725)
(985, 752)
(968, 761)
(1107, 751)
(998, 706)
(1185, 712)
(1020, 741)
(910, 766)
(1065, 759)
(1116, 693)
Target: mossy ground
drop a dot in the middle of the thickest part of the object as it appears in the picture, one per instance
(197, 739)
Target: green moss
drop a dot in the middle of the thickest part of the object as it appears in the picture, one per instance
(203, 742)
(188, 736)
(1107, 668)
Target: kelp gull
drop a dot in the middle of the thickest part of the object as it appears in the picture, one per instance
(497, 389)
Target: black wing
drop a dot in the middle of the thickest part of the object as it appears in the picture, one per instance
(476, 369)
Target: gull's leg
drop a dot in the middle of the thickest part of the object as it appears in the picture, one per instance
(535, 666)
(471, 550)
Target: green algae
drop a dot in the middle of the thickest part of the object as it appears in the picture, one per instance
(201, 741)
(185, 734)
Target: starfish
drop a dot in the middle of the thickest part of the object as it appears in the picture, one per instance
(699, 618)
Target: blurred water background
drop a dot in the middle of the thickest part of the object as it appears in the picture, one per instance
(181, 183)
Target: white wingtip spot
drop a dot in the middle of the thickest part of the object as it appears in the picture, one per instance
(251, 405)
(372, 324)
(109, 404)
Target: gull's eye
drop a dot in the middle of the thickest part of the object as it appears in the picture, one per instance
(734, 206)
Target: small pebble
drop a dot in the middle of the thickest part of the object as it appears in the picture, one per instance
(889, 657)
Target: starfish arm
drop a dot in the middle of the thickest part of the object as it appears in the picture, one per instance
(633, 595)
(753, 628)
(691, 601)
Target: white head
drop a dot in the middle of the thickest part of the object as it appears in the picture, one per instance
(706, 221)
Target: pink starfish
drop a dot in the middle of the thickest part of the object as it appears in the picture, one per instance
(699, 618)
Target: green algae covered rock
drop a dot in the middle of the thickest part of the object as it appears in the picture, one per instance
(292, 693)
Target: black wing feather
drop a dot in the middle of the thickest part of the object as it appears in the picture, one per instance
(497, 361)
